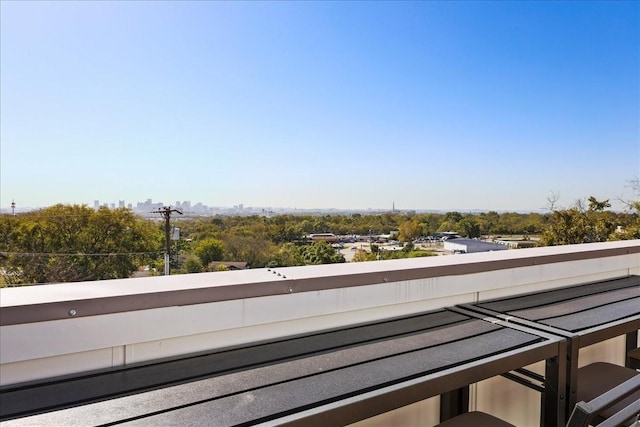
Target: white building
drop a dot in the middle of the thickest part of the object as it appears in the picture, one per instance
(466, 246)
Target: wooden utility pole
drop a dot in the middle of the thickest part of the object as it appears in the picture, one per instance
(166, 214)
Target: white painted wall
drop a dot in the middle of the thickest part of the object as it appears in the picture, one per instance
(169, 331)
(45, 349)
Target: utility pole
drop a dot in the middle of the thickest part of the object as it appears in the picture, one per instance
(166, 214)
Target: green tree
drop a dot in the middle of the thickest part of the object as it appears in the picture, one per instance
(321, 253)
(598, 206)
(630, 220)
(469, 227)
(362, 255)
(192, 264)
(630, 226)
(288, 255)
(68, 243)
(209, 250)
(255, 251)
(601, 223)
(291, 232)
(579, 225)
(409, 230)
(430, 223)
(565, 227)
(450, 221)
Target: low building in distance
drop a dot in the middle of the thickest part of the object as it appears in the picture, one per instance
(467, 246)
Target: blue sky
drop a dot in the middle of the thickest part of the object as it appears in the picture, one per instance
(431, 105)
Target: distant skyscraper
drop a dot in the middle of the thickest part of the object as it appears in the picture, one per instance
(96, 204)
(121, 204)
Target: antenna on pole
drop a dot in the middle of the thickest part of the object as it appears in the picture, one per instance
(166, 214)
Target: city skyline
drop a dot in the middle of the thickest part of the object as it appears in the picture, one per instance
(320, 105)
(149, 206)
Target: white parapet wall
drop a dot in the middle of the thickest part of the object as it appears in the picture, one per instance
(59, 329)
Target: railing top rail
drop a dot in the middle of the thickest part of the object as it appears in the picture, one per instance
(50, 302)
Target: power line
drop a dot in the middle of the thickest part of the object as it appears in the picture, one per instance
(36, 215)
(35, 254)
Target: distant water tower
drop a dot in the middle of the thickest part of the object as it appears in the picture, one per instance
(13, 207)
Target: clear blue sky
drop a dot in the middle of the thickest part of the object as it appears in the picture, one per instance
(431, 105)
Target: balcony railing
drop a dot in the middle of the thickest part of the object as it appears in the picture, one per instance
(65, 329)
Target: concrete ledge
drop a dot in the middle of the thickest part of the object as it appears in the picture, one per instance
(120, 322)
(72, 300)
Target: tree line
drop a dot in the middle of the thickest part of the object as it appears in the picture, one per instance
(68, 243)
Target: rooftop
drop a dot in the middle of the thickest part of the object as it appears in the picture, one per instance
(78, 330)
